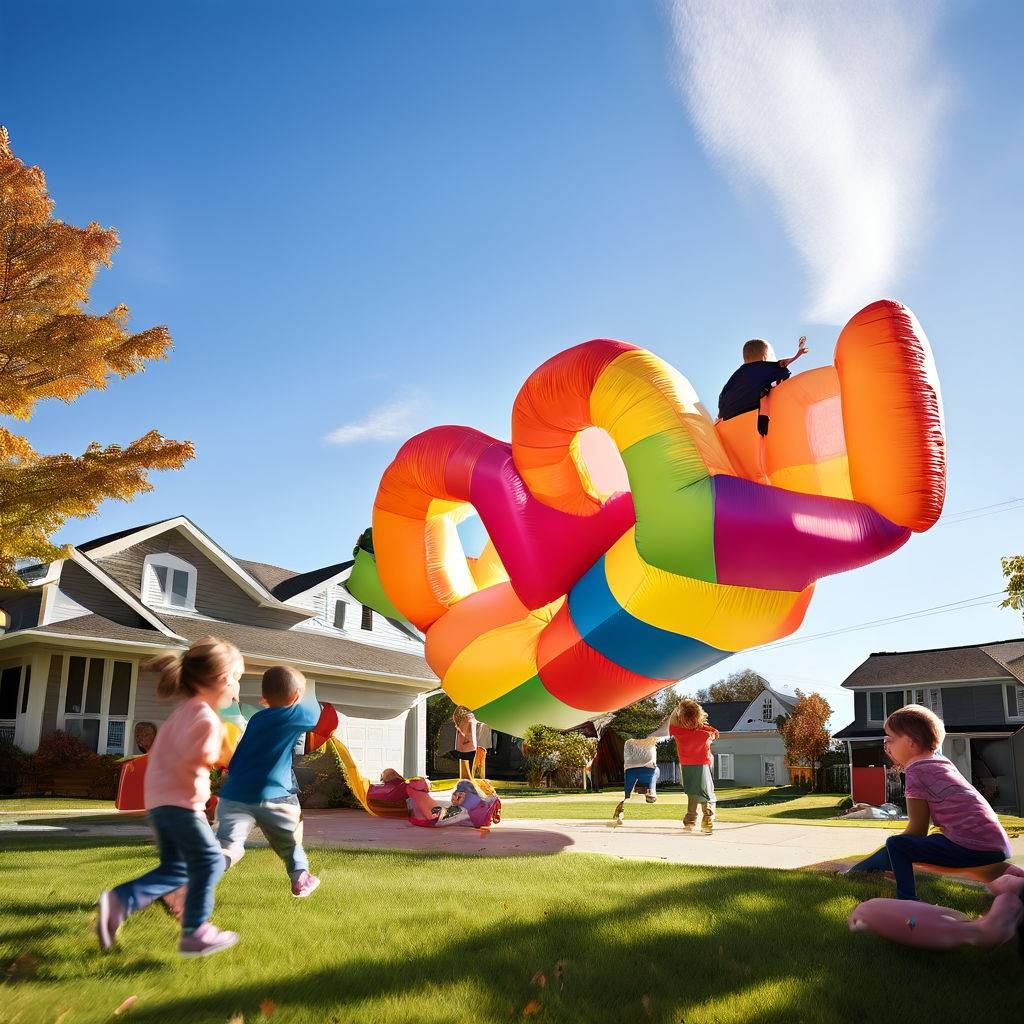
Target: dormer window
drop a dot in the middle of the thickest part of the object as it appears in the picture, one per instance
(169, 582)
(767, 710)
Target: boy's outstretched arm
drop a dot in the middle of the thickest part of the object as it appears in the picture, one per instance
(308, 709)
(801, 350)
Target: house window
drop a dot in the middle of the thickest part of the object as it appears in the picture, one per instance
(10, 683)
(726, 769)
(766, 710)
(97, 702)
(876, 706)
(893, 701)
(929, 697)
(339, 614)
(1014, 700)
(169, 582)
(367, 622)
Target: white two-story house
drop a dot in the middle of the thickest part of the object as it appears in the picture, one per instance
(77, 636)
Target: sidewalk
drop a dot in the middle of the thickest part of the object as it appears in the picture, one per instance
(733, 844)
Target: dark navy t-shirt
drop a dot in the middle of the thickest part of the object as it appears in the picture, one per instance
(742, 391)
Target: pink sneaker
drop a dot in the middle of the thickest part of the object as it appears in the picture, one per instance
(206, 940)
(304, 884)
(112, 913)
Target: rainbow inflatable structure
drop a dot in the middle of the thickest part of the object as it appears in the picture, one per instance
(584, 600)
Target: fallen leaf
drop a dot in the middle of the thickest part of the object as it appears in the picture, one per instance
(531, 1007)
(539, 979)
(645, 1002)
(237, 1019)
(60, 1016)
(267, 1007)
(23, 966)
(126, 1005)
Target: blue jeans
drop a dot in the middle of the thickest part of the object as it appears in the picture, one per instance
(281, 822)
(644, 776)
(902, 852)
(189, 855)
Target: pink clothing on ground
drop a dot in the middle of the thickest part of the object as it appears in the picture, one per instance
(178, 769)
(956, 807)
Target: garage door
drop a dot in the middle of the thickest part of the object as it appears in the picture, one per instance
(375, 744)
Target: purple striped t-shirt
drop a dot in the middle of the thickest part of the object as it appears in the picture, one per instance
(956, 807)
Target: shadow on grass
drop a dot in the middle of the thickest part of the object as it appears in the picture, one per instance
(739, 944)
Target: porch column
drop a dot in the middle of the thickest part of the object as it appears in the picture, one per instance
(416, 739)
(30, 724)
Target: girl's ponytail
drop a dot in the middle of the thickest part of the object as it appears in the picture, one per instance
(184, 675)
(168, 669)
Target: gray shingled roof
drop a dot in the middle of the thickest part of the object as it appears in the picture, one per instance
(303, 581)
(254, 641)
(270, 576)
(942, 664)
(97, 627)
(724, 714)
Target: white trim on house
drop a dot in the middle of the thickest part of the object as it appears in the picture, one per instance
(158, 595)
(338, 577)
(259, 593)
(781, 704)
(979, 681)
(1018, 689)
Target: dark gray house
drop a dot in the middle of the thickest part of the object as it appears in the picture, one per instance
(978, 692)
(78, 633)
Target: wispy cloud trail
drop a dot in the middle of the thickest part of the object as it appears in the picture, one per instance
(832, 109)
(393, 419)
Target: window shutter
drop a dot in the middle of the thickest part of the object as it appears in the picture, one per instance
(367, 622)
(339, 614)
(1014, 700)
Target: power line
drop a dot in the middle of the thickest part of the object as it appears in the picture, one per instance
(978, 601)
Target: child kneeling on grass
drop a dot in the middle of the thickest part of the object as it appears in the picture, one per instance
(260, 787)
(177, 788)
(971, 834)
(689, 727)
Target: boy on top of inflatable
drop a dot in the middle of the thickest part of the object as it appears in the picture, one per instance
(759, 372)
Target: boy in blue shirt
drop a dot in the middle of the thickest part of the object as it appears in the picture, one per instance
(260, 787)
(760, 371)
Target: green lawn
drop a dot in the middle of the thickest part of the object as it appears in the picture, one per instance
(759, 804)
(42, 804)
(392, 938)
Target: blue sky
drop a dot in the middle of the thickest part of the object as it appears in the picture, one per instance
(378, 217)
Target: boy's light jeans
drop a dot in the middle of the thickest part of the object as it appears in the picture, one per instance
(281, 822)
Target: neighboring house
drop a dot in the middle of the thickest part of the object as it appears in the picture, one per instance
(977, 691)
(749, 750)
(78, 633)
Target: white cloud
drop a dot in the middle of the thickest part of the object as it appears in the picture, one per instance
(834, 109)
(391, 420)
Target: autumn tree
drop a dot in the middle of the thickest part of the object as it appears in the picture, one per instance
(51, 347)
(743, 684)
(1013, 571)
(805, 730)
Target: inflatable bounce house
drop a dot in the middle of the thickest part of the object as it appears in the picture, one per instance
(593, 592)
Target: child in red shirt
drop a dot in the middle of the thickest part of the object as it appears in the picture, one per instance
(689, 727)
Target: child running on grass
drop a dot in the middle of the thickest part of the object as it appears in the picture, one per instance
(689, 727)
(936, 792)
(177, 788)
(640, 767)
(260, 787)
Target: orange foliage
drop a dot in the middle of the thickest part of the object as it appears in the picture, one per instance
(50, 347)
(805, 730)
